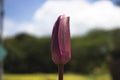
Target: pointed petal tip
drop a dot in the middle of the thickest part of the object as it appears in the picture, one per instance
(64, 16)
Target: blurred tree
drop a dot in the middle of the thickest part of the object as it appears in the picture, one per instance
(115, 54)
(30, 54)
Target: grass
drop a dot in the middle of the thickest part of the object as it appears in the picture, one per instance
(54, 77)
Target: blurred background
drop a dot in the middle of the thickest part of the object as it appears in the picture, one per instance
(95, 39)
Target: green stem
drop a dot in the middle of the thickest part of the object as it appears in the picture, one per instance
(60, 71)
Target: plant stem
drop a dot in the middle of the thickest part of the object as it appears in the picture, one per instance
(60, 71)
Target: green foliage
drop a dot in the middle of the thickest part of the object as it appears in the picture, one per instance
(29, 54)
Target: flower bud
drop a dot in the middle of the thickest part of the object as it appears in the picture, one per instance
(60, 43)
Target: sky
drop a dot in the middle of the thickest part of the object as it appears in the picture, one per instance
(37, 17)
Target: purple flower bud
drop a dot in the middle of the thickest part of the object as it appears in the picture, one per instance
(60, 46)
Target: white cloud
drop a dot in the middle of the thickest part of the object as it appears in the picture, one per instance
(9, 27)
(83, 17)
